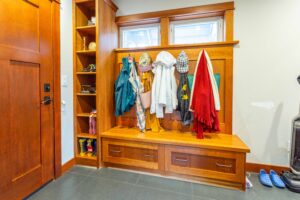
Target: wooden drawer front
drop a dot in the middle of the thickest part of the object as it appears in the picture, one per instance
(203, 162)
(221, 165)
(130, 153)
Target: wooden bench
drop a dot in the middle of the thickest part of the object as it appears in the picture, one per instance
(218, 159)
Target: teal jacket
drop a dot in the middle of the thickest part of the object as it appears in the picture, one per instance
(124, 94)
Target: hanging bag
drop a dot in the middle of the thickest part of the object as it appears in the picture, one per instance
(146, 99)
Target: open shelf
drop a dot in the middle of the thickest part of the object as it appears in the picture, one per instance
(87, 157)
(87, 52)
(86, 135)
(86, 73)
(88, 30)
(84, 94)
(83, 115)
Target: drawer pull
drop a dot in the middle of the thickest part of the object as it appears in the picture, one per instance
(115, 151)
(221, 165)
(181, 160)
(148, 155)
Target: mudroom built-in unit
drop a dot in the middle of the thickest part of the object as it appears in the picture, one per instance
(161, 143)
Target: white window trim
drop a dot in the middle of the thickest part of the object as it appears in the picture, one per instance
(156, 25)
(195, 21)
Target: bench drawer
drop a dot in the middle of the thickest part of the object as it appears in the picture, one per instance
(214, 164)
(130, 153)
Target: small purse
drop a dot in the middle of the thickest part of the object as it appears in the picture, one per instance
(146, 99)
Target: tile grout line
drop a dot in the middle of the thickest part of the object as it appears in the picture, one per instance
(137, 180)
(142, 186)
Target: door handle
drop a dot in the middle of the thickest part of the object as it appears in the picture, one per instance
(47, 100)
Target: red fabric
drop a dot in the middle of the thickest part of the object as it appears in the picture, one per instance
(205, 115)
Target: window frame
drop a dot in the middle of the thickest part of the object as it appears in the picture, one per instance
(219, 19)
(121, 29)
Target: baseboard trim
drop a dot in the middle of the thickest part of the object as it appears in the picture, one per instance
(255, 167)
(68, 165)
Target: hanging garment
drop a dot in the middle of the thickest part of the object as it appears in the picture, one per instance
(152, 123)
(164, 86)
(202, 100)
(212, 80)
(138, 89)
(183, 91)
(124, 94)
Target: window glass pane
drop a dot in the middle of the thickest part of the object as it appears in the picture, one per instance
(140, 36)
(197, 32)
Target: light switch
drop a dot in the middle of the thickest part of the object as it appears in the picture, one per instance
(64, 80)
(63, 105)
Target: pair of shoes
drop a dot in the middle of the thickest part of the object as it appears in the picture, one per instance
(270, 179)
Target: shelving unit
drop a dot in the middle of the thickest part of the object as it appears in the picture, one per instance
(103, 57)
(84, 103)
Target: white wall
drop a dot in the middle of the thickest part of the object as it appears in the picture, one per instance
(66, 75)
(266, 64)
(266, 93)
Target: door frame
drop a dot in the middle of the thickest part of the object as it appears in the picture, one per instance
(55, 9)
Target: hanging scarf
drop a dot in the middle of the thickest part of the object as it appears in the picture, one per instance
(138, 89)
(202, 100)
(124, 94)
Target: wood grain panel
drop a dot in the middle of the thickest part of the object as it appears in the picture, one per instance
(26, 137)
(130, 153)
(5, 141)
(213, 167)
(26, 64)
(22, 33)
(221, 58)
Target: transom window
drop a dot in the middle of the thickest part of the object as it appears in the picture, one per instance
(140, 36)
(197, 31)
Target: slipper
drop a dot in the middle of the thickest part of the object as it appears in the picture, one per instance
(264, 178)
(276, 180)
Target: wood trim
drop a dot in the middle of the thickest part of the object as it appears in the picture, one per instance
(56, 87)
(228, 18)
(211, 8)
(255, 167)
(179, 46)
(196, 16)
(111, 4)
(164, 31)
(67, 166)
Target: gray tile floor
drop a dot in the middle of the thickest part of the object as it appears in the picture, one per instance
(108, 184)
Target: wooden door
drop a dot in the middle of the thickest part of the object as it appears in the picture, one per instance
(26, 125)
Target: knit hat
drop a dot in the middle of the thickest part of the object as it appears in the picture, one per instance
(182, 64)
(145, 63)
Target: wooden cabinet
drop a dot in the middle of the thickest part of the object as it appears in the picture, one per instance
(199, 162)
(219, 159)
(130, 153)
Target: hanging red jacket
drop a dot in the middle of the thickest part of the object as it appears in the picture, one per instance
(202, 101)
